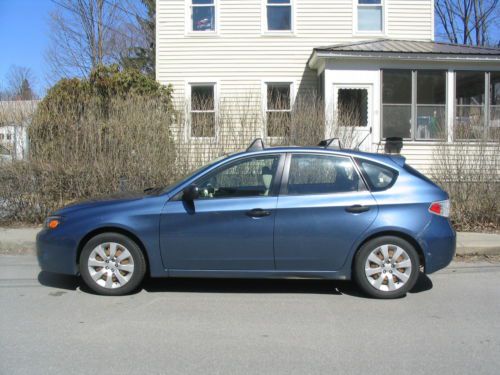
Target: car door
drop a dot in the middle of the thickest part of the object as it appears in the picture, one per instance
(230, 226)
(323, 208)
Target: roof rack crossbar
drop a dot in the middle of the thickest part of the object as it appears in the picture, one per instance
(256, 145)
(331, 143)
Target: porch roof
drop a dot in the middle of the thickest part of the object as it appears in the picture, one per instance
(406, 49)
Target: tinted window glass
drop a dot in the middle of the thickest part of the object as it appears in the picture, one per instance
(378, 176)
(321, 174)
(252, 177)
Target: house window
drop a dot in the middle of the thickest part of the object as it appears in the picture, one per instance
(469, 105)
(494, 128)
(2, 137)
(396, 103)
(278, 109)
(279, 15)
(414, 104)
(203, 15)
(431, 104)
(203, 110)
(9, 137)
(352, 107)
(370, 15)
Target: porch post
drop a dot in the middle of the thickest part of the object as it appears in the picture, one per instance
(450, 103)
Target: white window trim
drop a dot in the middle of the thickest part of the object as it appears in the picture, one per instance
(189, 22)
(187, 131)
(355, 31)
(293, 93)
(285, 33)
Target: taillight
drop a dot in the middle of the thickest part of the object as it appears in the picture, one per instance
(441, 208)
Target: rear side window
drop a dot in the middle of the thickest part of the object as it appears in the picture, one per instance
(379, 177)
(322, 174)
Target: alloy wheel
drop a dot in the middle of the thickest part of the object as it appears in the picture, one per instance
(388, 268)
(111, 265)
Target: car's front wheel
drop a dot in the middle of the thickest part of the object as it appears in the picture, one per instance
(112, 264)
(386, 267)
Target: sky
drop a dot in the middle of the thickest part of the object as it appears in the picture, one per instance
(24, 37)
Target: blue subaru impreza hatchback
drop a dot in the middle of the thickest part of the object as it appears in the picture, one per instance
(317, 212)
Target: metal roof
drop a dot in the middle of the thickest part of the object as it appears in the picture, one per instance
(410, 46)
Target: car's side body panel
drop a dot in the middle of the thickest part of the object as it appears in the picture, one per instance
(218, 234)
(316, 232)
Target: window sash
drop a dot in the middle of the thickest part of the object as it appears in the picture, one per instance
(380, 6)
(415, 128)
(193, 130)
(211, 5)
(269, 5)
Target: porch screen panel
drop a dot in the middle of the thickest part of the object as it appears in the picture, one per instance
(494, 125)
(469, 109)
(431, 105)
(396, 103)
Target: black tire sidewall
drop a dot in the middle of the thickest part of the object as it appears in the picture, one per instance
(364, 252)
(137, 256)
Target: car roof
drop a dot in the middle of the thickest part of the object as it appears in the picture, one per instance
(381, 158)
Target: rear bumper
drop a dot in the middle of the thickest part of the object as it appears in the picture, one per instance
(439, 242)
(56, 253)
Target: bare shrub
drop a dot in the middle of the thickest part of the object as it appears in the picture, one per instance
(469, 170)
(94, 156)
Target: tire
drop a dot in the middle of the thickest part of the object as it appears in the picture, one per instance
(110, 277)
(378, 275)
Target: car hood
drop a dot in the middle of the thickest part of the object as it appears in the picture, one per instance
(102, 201)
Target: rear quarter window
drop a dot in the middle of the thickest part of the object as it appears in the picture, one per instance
(378, 177)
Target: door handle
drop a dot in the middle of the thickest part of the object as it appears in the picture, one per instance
(357, 209)
(258, 212)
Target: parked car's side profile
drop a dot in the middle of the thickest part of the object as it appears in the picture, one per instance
(265, 213)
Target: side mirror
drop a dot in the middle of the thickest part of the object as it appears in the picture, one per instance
(190, 193)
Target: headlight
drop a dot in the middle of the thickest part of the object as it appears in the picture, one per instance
(52, 222)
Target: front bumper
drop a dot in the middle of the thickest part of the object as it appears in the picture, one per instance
(56, 253)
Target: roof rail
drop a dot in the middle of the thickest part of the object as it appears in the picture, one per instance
(331, 143)
(256, 145)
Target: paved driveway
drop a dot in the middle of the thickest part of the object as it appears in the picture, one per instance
(450, 324)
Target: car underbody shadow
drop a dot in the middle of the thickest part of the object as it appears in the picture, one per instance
(250, 286)
(228, 285)
(58, 281)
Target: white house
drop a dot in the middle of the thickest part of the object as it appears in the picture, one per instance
(376, 55)
(15, 117)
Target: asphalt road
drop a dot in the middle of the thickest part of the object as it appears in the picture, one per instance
(450, 324)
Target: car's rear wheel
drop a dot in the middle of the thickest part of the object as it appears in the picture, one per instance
(112, 264)
(386, 267)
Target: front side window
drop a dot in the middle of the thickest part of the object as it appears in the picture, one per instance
(370, 15)
(278, 109)
(250, 177)
(203, 15)
(202, 110)
(279, 15)
(321, 174)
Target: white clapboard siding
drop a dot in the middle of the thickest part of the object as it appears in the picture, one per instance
(240, 56)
